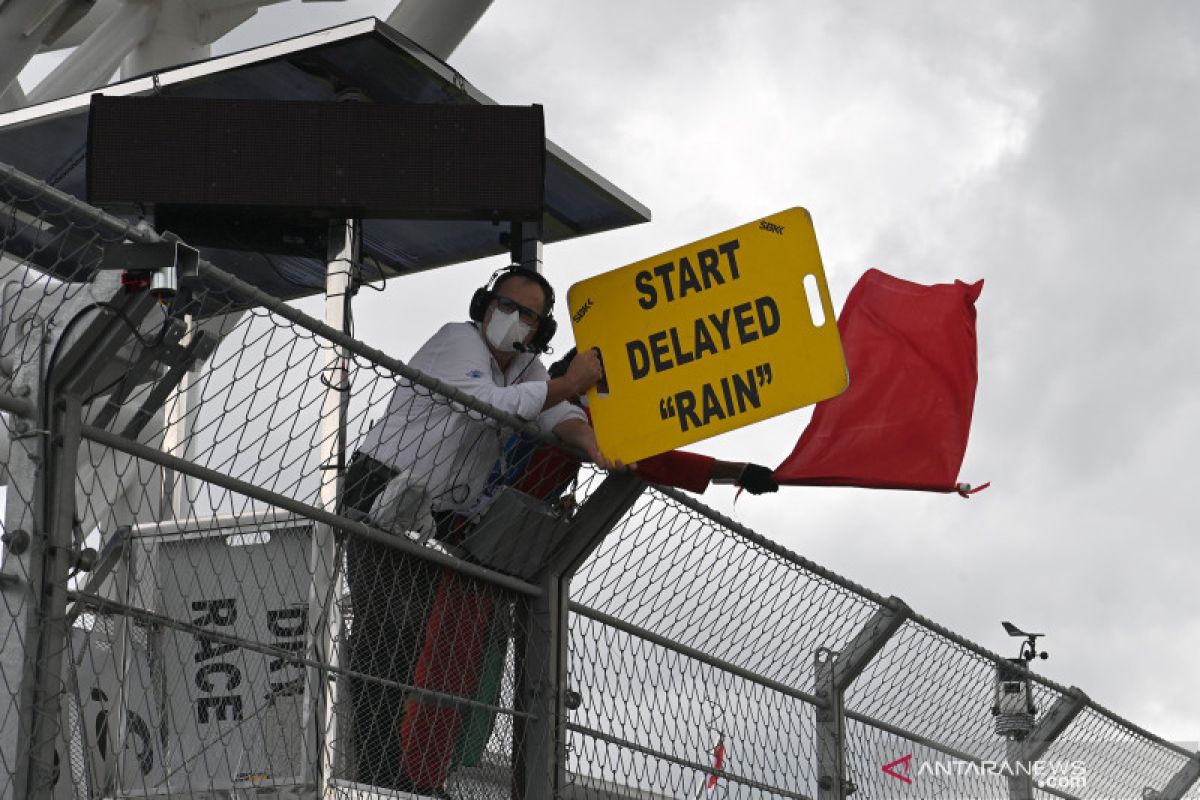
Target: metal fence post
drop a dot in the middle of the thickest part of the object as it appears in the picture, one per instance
(536, 765)
(76, 360)
(21, 575)
(61, 554)
(40, 532)
(324, 611)
(539, 758)
(831, 730)
(1053, 723)
(1179, 784)
(1020, 781)
(835, 672)
(177, 439)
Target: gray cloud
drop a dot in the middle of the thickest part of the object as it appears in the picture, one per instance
(1048, 148)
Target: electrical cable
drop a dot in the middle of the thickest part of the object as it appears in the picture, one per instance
(120, 378)
(71, 323)
(379, 269)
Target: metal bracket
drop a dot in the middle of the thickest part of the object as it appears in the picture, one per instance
(869, 640)
(151, 257)
(82, 362)
(1179, 784)
(168, 353)
(162, 268)
(595, 518)
(1053, 723)
(200, 348)
(110, 555)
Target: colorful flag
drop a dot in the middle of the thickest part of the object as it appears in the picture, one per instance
(904, 421)
(718, 762)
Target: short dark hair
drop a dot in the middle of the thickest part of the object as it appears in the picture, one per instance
(559, 368)
(529, 275)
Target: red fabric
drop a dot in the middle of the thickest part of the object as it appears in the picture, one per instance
(681, 469)
(449, 662)
(904, 421)
(718, 762)
(550, 467)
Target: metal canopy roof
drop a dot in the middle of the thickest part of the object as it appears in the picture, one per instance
(49, 142)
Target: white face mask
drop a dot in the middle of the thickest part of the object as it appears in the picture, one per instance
(504, 329)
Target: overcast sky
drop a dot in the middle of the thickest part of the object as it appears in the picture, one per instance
(1048, 148)
(1052, 149)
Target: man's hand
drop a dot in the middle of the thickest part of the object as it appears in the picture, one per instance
(602, 461)
(580, 434)
(584, 372)
(608, 464)
(757, 479)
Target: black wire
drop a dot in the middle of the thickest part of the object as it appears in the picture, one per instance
(120, 378)
(347, 328)
(54, 359)
(382, 277)
(71, 323)
(105, 390)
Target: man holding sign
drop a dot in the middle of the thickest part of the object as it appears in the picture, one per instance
(493, 357)
(709, 337)
(545, 471)
(425, 464)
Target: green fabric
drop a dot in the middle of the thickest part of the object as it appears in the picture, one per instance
(478, 722)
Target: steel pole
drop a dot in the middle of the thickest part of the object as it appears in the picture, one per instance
(324, 607)
(1020, 782)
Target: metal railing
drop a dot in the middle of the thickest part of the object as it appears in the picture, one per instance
(194, 605)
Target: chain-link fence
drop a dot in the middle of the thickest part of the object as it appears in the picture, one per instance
(246, 553)
(689, 629)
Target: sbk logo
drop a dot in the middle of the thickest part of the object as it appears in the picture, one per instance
(900, 768)
(582, 312)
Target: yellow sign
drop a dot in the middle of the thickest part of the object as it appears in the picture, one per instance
(707, 338)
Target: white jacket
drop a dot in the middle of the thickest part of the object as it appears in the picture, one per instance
(440, 446)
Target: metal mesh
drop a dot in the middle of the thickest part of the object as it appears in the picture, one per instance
(667, 705)
(932, 687)
(240, 603)
(672, 570)
(930, 774)
(238, 594)
(687, 625)
(1115, 760)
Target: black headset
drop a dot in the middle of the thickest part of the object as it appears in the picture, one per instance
(484, 296)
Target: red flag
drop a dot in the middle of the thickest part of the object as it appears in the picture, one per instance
(903, 422)
(718, 761)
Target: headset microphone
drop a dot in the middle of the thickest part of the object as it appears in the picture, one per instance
(484, 295)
